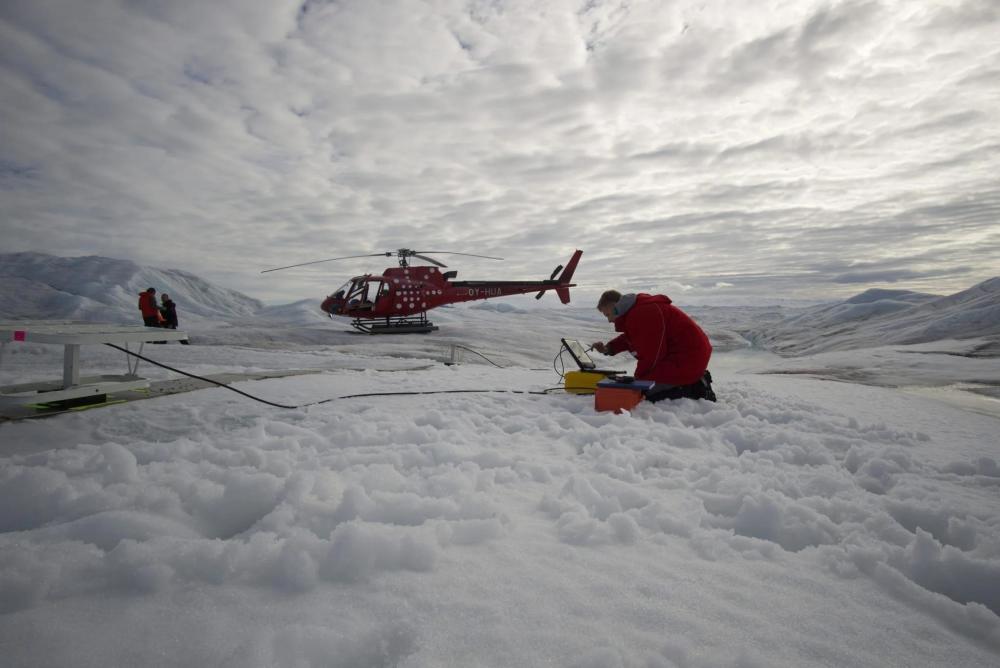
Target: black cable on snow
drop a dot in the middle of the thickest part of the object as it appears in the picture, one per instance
(202, 378)
(324, 401)
(478, 353)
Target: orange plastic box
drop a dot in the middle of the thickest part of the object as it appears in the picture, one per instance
(616, 399)
(614, 394)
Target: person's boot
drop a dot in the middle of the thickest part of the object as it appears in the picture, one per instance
(706, 380)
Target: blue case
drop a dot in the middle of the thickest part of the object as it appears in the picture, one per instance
(641, 385)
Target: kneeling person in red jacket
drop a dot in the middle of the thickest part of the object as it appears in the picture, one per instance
(670, 347)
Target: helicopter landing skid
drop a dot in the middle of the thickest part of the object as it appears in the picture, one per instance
(395, 325)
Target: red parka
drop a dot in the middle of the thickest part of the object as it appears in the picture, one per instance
(147, 305)
(669, 345)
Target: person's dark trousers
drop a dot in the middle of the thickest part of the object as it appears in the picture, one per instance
(700, 390)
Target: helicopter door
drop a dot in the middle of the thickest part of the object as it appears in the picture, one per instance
(383, 291)
(363, 294)
(376, 291)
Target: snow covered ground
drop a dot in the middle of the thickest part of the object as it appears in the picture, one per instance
(801, 521)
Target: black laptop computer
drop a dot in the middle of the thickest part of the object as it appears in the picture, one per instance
(582, 359)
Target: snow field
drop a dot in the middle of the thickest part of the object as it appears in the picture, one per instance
(503, 529)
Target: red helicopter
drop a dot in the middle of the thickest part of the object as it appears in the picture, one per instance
(397, 301)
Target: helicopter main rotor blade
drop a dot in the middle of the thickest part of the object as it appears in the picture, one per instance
(488, 257)
(330, 259)
(429, 259)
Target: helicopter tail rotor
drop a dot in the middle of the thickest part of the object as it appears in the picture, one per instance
(565, 277)
(551, 278)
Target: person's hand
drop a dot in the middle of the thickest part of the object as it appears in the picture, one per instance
(599, 347)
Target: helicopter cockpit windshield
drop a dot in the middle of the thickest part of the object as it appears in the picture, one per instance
(342, 290)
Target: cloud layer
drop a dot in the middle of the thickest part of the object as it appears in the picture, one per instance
(801, 150)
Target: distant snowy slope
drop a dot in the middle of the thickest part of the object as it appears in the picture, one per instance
(37, 285)
(303, 312)
(867, 305)
(34, 285)
(24, 298)
(879, 317)
(973, 312)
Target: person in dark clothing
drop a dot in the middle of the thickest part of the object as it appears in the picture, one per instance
(147, 307)
(671, 349)
(168, 309)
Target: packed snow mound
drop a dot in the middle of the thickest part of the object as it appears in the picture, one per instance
(402, 530)
(880, 317)
(95, 288)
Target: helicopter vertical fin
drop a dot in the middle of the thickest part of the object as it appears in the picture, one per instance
(567, 273)
(566, 276)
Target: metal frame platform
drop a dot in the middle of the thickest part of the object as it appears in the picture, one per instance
(72, 335)
(414, 324)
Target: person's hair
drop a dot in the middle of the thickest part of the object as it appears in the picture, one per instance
(150, 289)
(609, 297)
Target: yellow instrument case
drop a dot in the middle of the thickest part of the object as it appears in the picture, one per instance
(582, 382)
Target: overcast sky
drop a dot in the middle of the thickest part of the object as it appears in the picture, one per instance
(710, 150)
